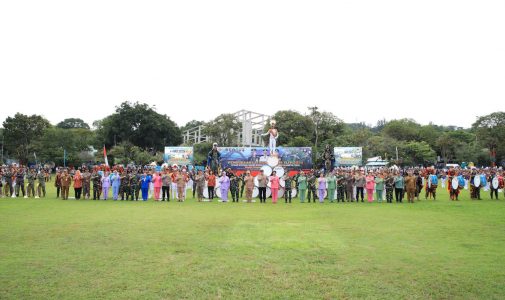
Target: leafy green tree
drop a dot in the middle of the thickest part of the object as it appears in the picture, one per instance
(402, 130)
(191, 124)
(200, 152)
(140, 125)
(417, 153)
(490, 131)
(223, 130)
(20, 131)
(54, 142)
(72, 123)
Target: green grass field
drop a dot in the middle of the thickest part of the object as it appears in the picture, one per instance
(54, 249)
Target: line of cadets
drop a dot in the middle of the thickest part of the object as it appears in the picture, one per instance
(348, 184)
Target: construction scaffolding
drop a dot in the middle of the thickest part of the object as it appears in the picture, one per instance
(252, 125)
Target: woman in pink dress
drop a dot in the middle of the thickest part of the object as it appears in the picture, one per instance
(274, 186)
(157, 182)
(370, 186)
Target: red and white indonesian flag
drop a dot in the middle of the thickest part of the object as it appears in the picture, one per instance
(105, 156)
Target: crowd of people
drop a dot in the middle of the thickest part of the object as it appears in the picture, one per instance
(134, 183)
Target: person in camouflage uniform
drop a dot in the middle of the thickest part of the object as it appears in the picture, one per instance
(135, 185)
(41, 180)
(341, 184)
(242, 184)
(96, 178)
(390, 185)
(8, 188)
(234, 187)
(312, 190)
(57, 183)
(30, 177)
(86, 184)
(20, 181)
(124, 185)
(288, 185)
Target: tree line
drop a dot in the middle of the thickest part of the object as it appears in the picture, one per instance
(136, 132)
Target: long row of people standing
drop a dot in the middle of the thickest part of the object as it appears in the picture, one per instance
(339, 185)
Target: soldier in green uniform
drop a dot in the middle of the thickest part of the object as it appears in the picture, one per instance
(242, 184)
(234, 187)
(331, 183)
(302, 186)
(86, 184)
(30, 177)
(96, 178)
(135, 185)
(288, 186)
(341, 183)
(41, 187)
(8, 189)
(390, 184)
(123, 177)
(311, 181)
(20, 181)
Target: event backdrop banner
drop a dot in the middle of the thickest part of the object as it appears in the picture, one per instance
(178, 155)
(253, 158)
(348, 156)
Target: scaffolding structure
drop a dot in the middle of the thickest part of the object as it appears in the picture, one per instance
(249, 135)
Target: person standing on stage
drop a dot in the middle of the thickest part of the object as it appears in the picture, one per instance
(213, 159)
(273, 134)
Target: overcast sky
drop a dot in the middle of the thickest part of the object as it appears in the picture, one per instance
(439, 61)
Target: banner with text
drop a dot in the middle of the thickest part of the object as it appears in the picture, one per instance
(348, 156)
(178, 155)
(254, 158)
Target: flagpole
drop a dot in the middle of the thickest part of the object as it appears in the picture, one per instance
(64, 158)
